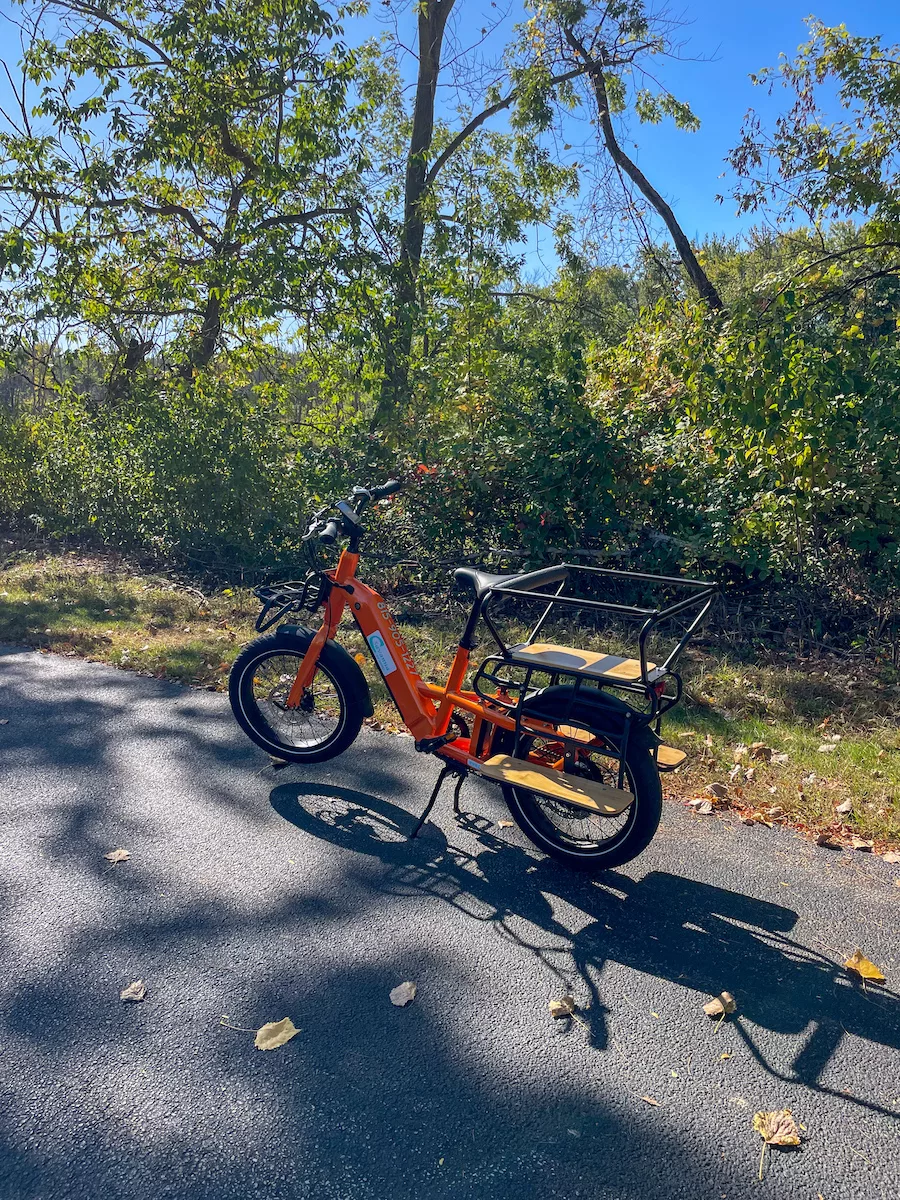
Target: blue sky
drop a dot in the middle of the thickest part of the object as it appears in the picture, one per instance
(726, 42)
(739, 39)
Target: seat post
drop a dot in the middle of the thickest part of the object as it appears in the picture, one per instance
(467, 640)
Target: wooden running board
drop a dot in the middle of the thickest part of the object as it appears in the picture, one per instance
(668, 758)
(518, 772)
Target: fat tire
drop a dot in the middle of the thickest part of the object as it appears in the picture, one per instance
(345, 674)
(646, 808)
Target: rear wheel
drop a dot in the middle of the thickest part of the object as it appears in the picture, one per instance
(572, 834)
(328, 717)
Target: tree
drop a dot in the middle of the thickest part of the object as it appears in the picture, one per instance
(819, 170)
(186, 180)
(603, 45)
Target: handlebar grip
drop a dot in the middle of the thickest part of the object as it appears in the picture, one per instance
(331, 532)
(386, 489)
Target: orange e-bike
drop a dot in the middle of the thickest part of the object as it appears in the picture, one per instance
(571, 736)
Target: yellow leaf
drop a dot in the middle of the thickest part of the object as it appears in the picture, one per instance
(860, 964)
(403, 994)
(777, 1128)
(564, 1007)
(275, 1033)
(361, 659)
(117, 856)
(134, 991)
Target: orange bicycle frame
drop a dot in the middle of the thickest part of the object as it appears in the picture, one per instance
(426, 708)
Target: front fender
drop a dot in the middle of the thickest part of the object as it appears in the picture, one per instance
(302, 635)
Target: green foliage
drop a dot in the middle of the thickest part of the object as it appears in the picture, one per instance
(826, 169)
(204, 469)
(771, 440)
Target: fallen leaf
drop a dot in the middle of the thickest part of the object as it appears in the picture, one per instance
(134, 991)
(735, 771)
(843, 809)
(761, 751)
(727, 1054)
(777, 1128)
(403, 994)
(863, 967)
(655, 1014)
(117, 856)
(278, 764)
(719, 790)
(564, 1007)
(892, 856)
(827, 747)
(721, 1004)
(780, 759)
(650, 1100)
(4, 721)
(750, 774)
(826, 840)
(505, 824)
(776, 812)
(361, 659)
(275, 1033)
(704, 808)
(861, 844)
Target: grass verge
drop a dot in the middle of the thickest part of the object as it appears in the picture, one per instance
(791, 740)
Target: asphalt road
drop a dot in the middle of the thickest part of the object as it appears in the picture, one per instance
(263, 894)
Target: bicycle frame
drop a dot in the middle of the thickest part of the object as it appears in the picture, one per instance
(426, 708)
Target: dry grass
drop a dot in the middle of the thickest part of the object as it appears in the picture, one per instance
(97, 609)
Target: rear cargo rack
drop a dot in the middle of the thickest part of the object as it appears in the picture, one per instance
(514, 674)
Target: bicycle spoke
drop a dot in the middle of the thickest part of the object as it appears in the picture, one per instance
(311, 723)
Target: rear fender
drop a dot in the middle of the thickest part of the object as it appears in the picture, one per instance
(593, 707)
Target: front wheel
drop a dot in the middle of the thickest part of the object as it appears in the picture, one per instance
(574, 835)
(328, 717)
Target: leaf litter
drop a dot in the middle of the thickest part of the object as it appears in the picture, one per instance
(862, 966)
(269, 1036)
(564, 1007)
(275, 1033)
(403, 994)
(776, 1128)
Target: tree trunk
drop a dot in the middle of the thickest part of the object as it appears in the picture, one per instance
(698, 276)
(433, 16)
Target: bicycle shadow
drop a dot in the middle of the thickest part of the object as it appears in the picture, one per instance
(703, 936)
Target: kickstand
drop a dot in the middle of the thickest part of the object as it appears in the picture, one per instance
(456, 791)
(445, 772)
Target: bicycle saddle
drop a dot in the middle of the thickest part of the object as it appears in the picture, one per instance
(480, 581)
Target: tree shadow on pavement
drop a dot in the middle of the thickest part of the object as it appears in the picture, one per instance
(689, 933)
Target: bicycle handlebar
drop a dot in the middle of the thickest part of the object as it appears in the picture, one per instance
(386, 489)
(347, 522)
(331, 532)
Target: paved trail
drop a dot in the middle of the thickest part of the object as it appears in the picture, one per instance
(266, 894)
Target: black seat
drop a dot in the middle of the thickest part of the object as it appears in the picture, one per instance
(480, 581)
(526, 581)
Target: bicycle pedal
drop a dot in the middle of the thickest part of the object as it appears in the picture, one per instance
(429, 745)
